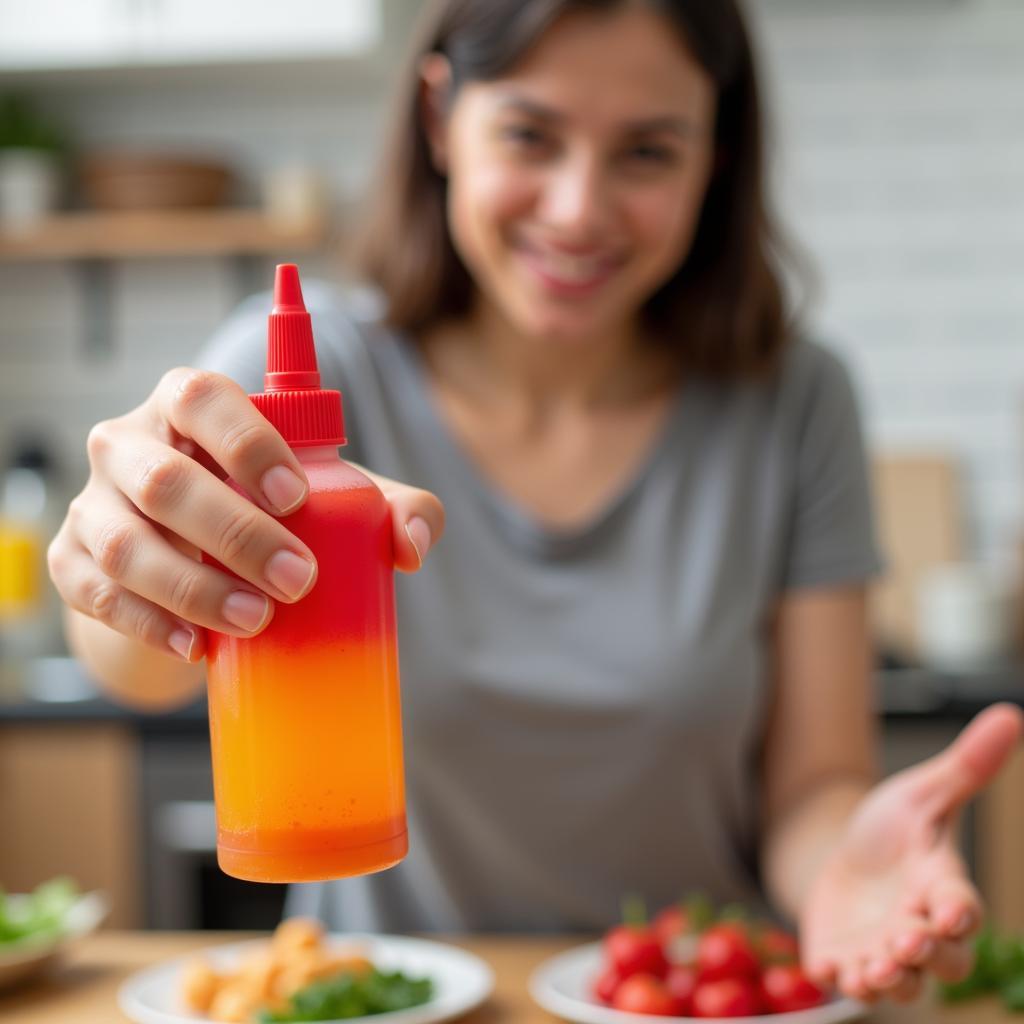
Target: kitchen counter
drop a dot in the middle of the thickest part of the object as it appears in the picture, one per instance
(57, 690)
(84, 991)
(147, 779)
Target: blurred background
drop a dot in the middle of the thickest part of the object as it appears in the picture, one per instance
(156, 160)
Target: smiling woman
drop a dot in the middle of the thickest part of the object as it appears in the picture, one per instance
(639, 659)
(637, 142)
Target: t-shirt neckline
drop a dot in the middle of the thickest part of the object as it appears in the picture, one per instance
(520, 525)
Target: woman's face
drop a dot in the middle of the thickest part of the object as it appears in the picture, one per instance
(575, 181)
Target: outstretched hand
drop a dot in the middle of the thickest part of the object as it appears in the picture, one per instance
(893, 900)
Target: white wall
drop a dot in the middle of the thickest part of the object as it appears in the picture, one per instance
(902, 144)
(901, 132)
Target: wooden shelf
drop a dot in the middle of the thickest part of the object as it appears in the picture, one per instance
(103, 235)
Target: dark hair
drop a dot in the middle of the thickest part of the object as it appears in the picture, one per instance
(723, 309)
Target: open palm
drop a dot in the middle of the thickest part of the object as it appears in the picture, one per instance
(893, 899)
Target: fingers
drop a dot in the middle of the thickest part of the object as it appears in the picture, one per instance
(179, 494)
(127, 550)
(907, 988)
(418, 519)
(895, 966)
(216, 413)
(954, 907)
(952, 960)
(972, 760)
(87, 590)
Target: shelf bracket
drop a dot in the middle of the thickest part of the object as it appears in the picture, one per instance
(96, 284)
(249, 270)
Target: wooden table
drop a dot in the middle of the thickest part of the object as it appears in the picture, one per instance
(84, 990)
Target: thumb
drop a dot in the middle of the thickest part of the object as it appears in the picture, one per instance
(417, 518)
(972, 760)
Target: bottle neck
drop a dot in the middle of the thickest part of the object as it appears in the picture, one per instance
(317, 453)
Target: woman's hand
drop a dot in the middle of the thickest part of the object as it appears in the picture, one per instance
(893, 899)
(129, 550)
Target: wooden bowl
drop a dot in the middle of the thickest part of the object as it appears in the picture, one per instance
(149, 181)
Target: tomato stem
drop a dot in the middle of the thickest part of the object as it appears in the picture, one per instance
(634, 910)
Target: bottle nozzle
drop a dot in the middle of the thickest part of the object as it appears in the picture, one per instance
(293, 400)
(288, 290)
(291, 357)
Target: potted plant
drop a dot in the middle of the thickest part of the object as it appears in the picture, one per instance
(32, 153)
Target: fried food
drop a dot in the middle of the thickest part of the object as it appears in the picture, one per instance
(268, 975)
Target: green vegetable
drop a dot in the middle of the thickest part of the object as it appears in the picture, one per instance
(38, 917)
(700, 911)
(1013, 994)
(353, 995)
(998, 968)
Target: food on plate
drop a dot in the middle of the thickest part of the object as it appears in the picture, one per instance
(785, 988)
(998, 970)
(690, 961)
(39, 917)
(297, 977)
(726, 997)
(349, 995)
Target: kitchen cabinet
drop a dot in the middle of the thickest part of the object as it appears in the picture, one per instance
(55, 34)
(69, 805)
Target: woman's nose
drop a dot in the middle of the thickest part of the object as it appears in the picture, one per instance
(575, 199)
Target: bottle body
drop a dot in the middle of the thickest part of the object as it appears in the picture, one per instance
(305, 718)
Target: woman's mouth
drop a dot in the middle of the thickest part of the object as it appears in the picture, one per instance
(568, 274)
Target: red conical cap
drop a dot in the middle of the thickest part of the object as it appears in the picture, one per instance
(303, 413)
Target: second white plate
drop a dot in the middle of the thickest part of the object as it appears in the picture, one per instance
(562, 986)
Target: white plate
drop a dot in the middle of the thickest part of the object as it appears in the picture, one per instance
(462, 981)
(21, 960)
(562, 986)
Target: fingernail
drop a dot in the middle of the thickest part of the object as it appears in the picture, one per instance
(925, 949)
(885, 972)
(246, 610)
(290, 573)
(282, 488)
(965, 922)
(419, 536)
(181, 641)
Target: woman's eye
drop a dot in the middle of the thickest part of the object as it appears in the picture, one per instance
(651, 154)
(524, 137)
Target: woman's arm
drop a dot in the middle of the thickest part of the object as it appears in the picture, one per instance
(872, 872)
(819, 756)
(130, 671)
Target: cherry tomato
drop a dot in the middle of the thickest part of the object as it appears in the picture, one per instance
(725, 951)
(774, 946)
(727, 997)
(672, 922)
(632, 949)
(785, 987)
(606, 985)
(681, 981)
(644, 993)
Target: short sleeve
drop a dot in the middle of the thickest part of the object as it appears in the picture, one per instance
(832, 537)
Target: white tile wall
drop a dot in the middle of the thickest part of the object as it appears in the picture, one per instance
(900, 131)
(901, 167)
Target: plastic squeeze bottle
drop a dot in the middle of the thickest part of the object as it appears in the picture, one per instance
(305, 723)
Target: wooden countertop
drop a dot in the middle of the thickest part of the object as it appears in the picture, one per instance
(84, 990)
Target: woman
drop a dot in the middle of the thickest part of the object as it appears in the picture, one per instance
(640, 658)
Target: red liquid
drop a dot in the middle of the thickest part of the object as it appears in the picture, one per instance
(305, 720)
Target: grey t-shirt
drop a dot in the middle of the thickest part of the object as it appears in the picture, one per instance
(583, 709)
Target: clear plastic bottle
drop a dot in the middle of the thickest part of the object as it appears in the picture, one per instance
(305, 720)
(29, 514)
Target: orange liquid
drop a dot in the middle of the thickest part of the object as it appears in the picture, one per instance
(305, 721)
